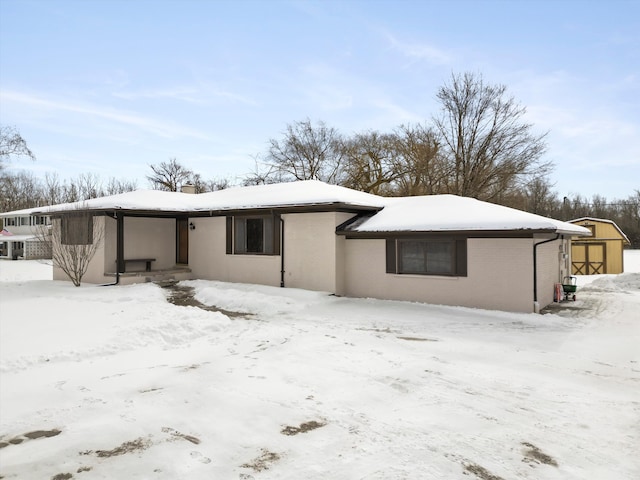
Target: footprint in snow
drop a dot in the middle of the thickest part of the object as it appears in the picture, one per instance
(201, 458)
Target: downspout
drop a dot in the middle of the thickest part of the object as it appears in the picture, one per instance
(281, 252)
(536, 306)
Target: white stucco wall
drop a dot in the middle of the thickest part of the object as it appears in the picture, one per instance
(500, 271)
(150, 238)
(208, 259)
(499, 276)
(552, 267)
(311, 248)
(313, 251)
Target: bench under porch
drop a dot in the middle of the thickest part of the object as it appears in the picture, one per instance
(147, 263)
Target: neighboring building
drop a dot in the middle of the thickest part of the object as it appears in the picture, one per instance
(439, 249)
(600, 253)
(19, 235)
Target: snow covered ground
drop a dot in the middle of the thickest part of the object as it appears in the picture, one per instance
(116, 382)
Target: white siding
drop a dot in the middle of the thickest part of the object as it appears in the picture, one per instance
(311, 250)
(552, 267)
(150, 238)
(208, 258)
(312, 253)
(500, 276)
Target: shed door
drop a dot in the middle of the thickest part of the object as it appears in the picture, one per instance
(182, 240)
(588, 258)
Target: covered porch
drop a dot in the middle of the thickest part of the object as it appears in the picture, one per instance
(146, 246)
(12, 247)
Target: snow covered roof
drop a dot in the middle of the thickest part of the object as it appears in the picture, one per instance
(431, 213)
(303, 193)
(451, 213)
(17, 238)
(25, 212)
(293, 194)
(603, 220)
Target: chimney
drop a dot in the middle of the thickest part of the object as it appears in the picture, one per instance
(188, 188)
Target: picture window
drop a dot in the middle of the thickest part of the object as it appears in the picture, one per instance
(427, 256)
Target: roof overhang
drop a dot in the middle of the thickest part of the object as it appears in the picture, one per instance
(254, 210)
(448, 233)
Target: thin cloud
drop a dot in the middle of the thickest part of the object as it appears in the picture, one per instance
(327, 88)
(179, 93)
(149, 125)
(192, 95)
(419, 51)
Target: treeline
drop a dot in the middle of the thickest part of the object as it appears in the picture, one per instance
(478, 145)
(625, 212)
(24, 190)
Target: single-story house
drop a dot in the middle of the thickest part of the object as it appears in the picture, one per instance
(603, 252)
(20, 235)
(440, 249)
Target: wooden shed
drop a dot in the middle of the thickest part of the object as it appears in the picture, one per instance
(600, 253)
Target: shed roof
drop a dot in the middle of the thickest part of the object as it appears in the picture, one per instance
(603, 220)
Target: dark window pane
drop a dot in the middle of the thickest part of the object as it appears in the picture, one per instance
(440, 257)
(413, 258)
(426, 257)
(255, 235)
(240, 238)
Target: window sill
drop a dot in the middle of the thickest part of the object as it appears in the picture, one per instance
(427, 276)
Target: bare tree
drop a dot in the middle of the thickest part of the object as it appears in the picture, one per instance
(484, 139)
(423, 170)
(216, 184)
(74, 239)
(12, 144)
(307, 152)
(629, 218)
(263, 173)
(19, 190)
(89, 186)
(52, 189)
(115, 186)
(371, 162)
(169, 176)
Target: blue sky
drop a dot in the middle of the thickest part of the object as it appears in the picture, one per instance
(109, 87)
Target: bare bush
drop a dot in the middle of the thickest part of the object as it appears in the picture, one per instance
(74, 239)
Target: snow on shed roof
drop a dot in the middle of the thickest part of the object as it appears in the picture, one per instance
(603, 220)
(450, 213)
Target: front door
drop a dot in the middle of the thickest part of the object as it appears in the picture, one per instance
(182, 240)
